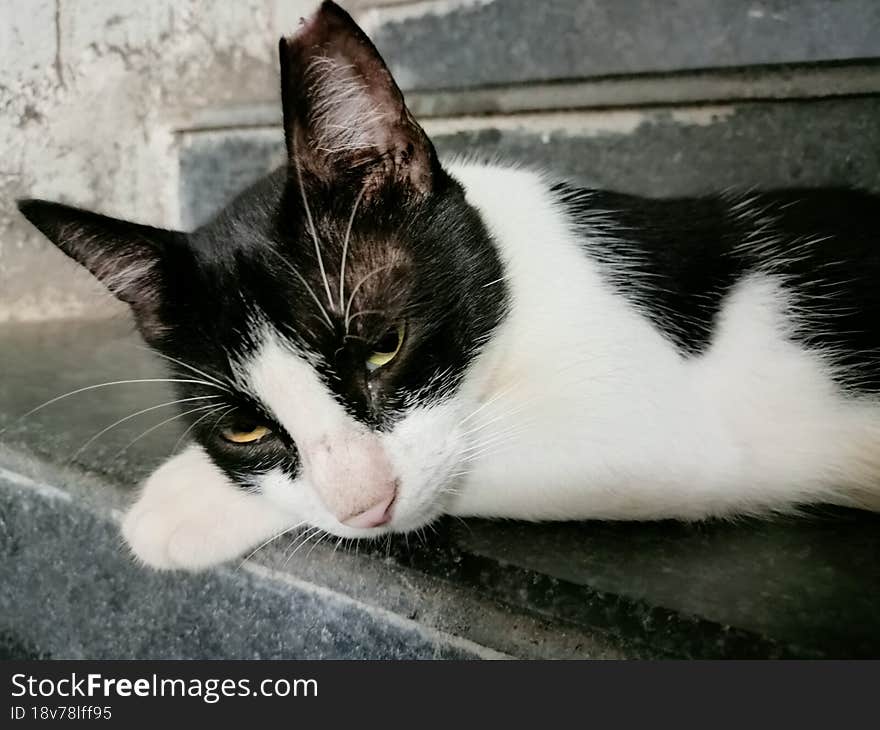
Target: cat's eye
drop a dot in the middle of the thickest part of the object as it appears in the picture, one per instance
(257, 433)
(386, 349)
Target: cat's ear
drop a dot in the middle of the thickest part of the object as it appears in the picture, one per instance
(344, 115)
(126, 257)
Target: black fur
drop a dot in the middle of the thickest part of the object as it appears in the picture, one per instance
(678, 259)
(237, 271)
(417, 253)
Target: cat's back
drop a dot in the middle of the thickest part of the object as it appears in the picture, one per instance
(744, 328)
(678, 261)
(681, 259)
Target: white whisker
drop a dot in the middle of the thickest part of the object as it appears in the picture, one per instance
(345, 247)
(486, 404)
(103, 385)
(135, 415)
(357, 288)
(309, 289)
(271, 539)
(192, 426)
(307, 535)
(188, 367)
(162, 423)
(311, 222)
(318, 542)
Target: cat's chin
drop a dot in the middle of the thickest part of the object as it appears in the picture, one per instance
(395, 527)
(404, 519)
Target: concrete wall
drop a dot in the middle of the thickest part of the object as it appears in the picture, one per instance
(160, 110)
(90, 95)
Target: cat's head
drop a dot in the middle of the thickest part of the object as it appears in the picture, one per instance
(325, 320)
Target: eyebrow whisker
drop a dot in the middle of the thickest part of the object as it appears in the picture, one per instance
(345, 247)
(357, 288)
(302, 192)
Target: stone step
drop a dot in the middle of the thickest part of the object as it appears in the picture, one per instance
(450, 44)
(478, 589)
(656, 151)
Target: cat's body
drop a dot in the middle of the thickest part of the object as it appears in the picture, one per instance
(392, 338)
(668, 402)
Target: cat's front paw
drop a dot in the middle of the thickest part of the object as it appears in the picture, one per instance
(189, 516)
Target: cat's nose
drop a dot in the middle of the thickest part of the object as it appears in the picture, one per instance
(353, 477)
(375, 516)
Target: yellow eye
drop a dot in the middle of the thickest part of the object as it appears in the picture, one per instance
(387, 348)
(245, 437)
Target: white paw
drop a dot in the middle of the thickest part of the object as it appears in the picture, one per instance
(189, 516)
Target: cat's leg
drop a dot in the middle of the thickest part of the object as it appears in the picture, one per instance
(190, 516)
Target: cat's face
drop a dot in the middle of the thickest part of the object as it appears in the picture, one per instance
(326, 320)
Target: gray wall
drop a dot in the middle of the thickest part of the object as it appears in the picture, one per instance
(91, 93)
(160, 111)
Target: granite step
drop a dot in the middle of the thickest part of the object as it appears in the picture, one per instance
(478, 589)
(654, 151)
(449, 44)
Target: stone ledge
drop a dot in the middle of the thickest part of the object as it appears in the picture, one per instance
(644, 90)
(473, 590)
(663, 151)
(71, 592)
(455, 45)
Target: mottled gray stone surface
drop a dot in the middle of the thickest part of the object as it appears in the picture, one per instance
(808, 588)
(70, 591)
(69, 525)
(749, 146)
(660, 152)
(516, 41)
(207, 178)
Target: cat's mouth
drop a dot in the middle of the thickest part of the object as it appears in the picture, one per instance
(376, 516)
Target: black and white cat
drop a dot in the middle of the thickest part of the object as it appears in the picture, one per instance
(373, 338)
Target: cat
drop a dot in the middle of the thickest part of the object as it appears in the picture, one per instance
(372, 338)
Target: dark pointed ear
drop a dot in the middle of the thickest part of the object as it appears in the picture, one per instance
(343, 113)
(126, 257)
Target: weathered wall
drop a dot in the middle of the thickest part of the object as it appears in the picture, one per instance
(160, 110)
(90, 94)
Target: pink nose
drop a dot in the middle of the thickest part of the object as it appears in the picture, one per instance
(378, 514)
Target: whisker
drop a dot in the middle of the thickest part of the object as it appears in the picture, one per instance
(135, 415)
(190, 428)
(500, 417)
(162, 423)
(220, 417)
(507, 433)
(365, 312)
(102, 385)
(319, 541)
(311, 222)
(345, 247)
(271, 539)
(501, 393)
(309, 289)
(489, 445)
(295, 541)
(309, 534)
(355, 291)
(188, 367)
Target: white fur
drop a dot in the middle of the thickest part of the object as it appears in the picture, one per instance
(339, 95)
(577, 408)
(189, 516)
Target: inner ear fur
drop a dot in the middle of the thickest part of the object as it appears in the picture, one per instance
(127, 258)
(344, 116)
